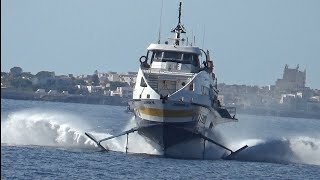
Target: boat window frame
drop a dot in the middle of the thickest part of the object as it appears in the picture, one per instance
(143, 83)
(172, 58)
(153, 56)
(194, 58)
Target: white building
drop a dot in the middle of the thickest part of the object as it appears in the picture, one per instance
(128, 78)
(287, 99)
(107, 92)
(94, 89)
(112, 76)
(292, 80)
(122, 92)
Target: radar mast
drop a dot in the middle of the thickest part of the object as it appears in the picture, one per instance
(179, 29)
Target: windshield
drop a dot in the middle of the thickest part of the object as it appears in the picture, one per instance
(189, 58)
(173, 56)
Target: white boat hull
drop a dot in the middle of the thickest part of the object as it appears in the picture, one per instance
(168, 123)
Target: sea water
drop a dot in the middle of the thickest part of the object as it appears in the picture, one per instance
(45, 140)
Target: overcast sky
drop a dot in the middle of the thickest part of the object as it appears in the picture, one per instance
(251, 40)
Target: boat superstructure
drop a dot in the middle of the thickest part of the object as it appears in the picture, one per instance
(175, 98)
(175, 95)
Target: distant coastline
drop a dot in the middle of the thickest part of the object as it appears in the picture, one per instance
(121, 101)
(83, 99)
(289, 97)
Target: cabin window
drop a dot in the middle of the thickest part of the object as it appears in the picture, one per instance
(143, 83)
(189, 58)
(211, 125)
(195, 61)
(156, 56)
(191, 87)
(205, 90)
(172, 56)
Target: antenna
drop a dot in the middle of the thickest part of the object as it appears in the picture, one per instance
(204, 34)
(179, 29)
(159, 36)
(192, 37)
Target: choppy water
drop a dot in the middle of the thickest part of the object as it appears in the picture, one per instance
(46, 140)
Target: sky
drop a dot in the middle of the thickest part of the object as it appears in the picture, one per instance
(249, 40)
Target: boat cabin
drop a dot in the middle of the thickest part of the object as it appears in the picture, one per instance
(173, 58)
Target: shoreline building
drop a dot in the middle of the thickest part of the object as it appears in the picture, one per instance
(292, 80)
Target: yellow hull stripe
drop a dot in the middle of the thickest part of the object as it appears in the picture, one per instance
(165, 113)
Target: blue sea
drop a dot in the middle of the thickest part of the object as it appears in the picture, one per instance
(45, 140)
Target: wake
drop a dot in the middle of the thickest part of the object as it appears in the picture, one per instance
(59, 129)
(36, 127)
(300, 149)
(39, 127)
